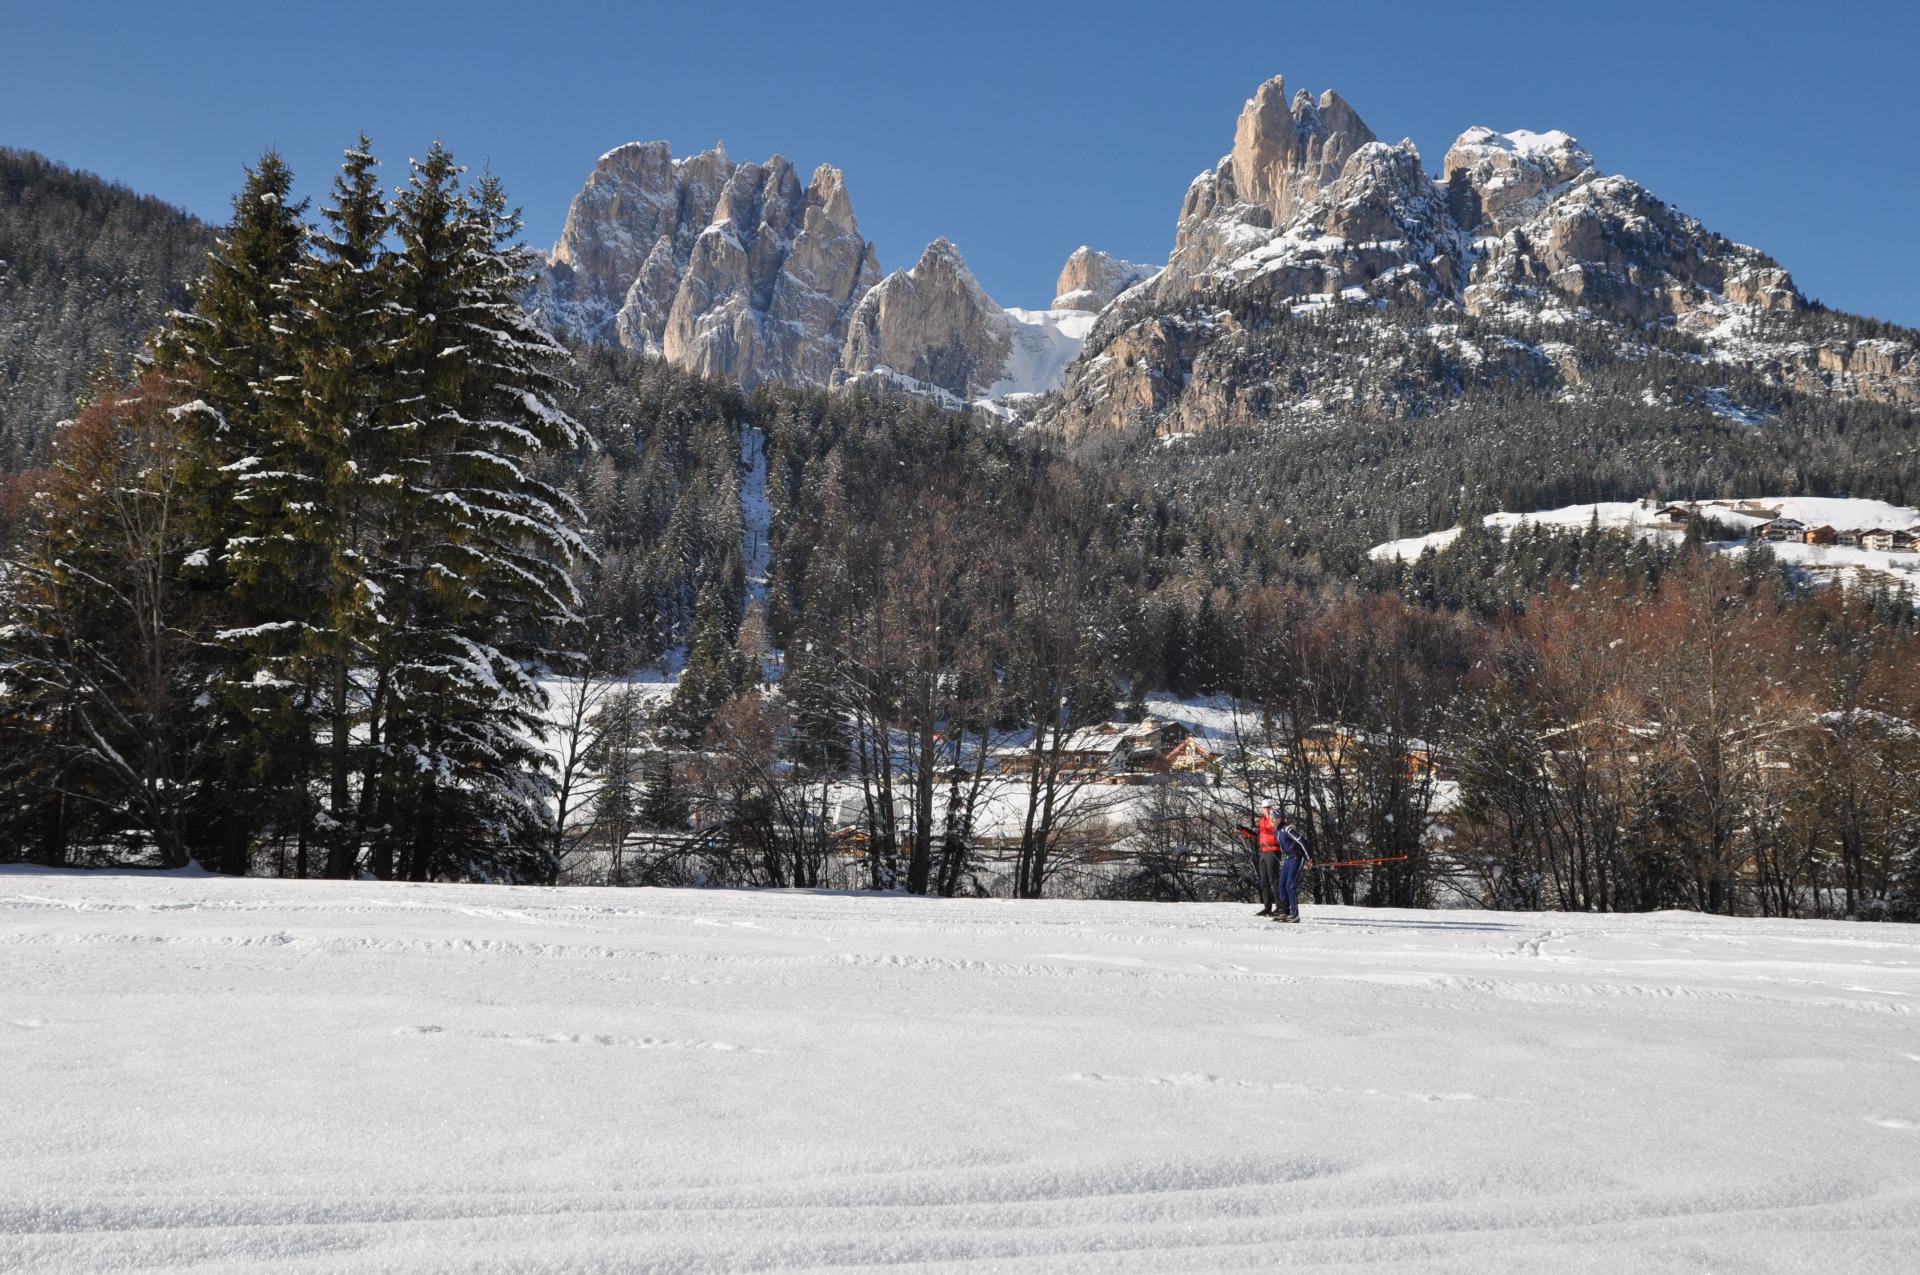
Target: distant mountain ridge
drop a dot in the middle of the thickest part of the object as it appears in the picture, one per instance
(740, 270)
(1310, 211)
(1340, 326)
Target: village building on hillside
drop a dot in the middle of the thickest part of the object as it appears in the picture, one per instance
(1780, 529)
(1329, 750)
(1190, 756)
(1886, 540)
(1819, 535)
(1109, 749)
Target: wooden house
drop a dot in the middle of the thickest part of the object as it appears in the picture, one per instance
(1888, 540)
(1780, 529)
(1190, 756)
(1818, 535)
(1111, 748)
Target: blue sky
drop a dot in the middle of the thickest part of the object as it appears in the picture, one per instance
(1017, 130)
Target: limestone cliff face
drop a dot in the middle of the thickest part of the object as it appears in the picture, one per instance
(749, 272)
(731, 270)
(1285, 153)
(933, 326)
(1091, 279)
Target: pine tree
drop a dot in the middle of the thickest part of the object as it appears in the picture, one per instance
(475, 562)
(750, 648)
(344, 339)
(617, 734)
(811, 685)
(661, 803)
(233, 364)
(711, 676)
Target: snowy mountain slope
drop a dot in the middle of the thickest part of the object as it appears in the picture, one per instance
(1044, 343)
(1829, 561)
(238, 1075)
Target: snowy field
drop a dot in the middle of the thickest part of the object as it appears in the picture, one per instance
(214, 1075)
(1821, 562)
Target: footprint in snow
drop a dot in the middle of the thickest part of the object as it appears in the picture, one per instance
(28, 1024)
(631, 1042)
(427, 1029)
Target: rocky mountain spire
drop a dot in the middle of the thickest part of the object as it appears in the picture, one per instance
(932, 325)
(1284, 152)
(729, 269)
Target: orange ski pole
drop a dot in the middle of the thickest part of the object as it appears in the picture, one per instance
(1357, 863)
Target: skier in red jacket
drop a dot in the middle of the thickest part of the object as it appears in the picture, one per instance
(1267, 860)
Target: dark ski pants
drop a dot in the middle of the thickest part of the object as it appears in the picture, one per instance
(1269, 879)
(1290, 883)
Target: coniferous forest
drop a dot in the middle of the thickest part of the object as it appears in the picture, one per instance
(352, 570)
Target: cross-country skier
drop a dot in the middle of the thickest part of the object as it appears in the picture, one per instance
(1282, 855)
(1267, 861)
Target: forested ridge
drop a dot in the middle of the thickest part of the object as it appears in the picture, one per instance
(88, 271)
(1378, 424)
(351, 576)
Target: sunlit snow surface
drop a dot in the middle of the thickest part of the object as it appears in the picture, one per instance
(214, 1075)
(1819, 562)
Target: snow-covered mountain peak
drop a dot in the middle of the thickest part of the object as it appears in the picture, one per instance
(1499, 179)
(1309, 211)
(1091, 278)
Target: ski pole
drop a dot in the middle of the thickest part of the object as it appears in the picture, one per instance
(1357, 863)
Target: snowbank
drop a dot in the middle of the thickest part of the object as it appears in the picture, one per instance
(227, 1076)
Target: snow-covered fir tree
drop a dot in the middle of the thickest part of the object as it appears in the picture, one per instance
(253, 491)
(473, 567)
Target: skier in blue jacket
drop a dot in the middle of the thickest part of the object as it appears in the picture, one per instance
(1278, 837)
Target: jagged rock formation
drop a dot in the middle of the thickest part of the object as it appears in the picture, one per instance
(1310, 212)
(933, 330)
(732, 270)
(932, 325)
(738, 270)
(1091, 279)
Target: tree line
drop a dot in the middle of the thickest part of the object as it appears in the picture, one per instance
(284, 591)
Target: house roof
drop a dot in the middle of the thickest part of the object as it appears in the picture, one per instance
(1107, 737)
